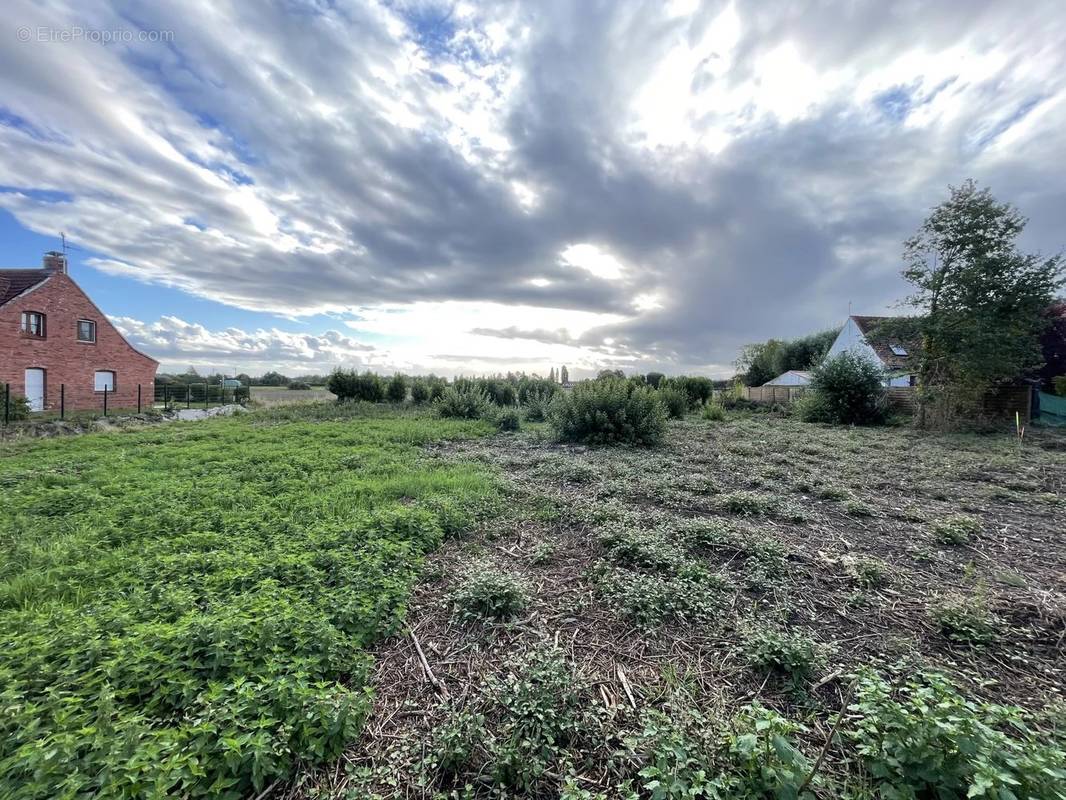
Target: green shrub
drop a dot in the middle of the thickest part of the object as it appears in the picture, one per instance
(966, 620)
(608, 412)
(696, 388)
(674, 400)
(396, 389)
(463, 402)
(1059, 382)
(536, 405)
(846, 389)
(922, 738)
(714, 411)
(299, 386)
(868, 573)
(956, 529)
(691, 595)
(487, 594)
(351, 385)
(19, 408)
(507, 419)
(420, 391)
(794, 656)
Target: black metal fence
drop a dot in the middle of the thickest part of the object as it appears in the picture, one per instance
(158, 397)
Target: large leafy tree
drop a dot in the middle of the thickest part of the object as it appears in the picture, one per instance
(766, 360)
(981, 300)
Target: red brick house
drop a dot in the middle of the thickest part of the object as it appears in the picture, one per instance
(52, 336)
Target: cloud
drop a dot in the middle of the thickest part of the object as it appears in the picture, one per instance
(177, 344)
(676, 178)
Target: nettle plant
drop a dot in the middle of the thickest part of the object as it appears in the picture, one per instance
(921, 738)
(487, 594)
(956, 529)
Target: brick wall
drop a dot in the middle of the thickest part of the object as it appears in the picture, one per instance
(65, 359)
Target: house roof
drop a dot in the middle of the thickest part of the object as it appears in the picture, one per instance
(802, 373)
(14, 282)
(883, 347)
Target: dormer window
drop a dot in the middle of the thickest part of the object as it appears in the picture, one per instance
(86, 330)
(33, 323)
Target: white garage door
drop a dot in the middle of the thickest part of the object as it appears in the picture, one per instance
(35, 389)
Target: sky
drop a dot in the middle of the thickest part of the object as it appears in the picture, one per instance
(461, 187)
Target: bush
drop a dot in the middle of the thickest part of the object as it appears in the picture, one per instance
(714, 412)
(794, 656)
(608, 412)
(463, 402)
(536, 405)
(1059, 382)
(487, 594)
(966, 620)
(924, 739)
(653, 379)
(506, 419)
(697, 389)
(19, 408)
(420, 391)
(351, 385)
(845, 390)
(299, 386)
(674, 399)
(396, 390)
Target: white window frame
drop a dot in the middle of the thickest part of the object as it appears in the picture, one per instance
(77, 331)
(97, 386)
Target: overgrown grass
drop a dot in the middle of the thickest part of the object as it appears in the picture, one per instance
(185, 610)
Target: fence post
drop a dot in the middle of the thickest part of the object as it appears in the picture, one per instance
(138, 398)
(205, 394)
(7, 402)
(105, 400)
(188, 388)
(62, 401)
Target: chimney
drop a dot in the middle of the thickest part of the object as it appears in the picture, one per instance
(54, 261)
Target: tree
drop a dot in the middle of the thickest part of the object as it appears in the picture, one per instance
(981, 300)
(273, 379)
(653, 379)
(551, 375)
(764, 361)
(564, 374)
(396, 390)
(848, 389)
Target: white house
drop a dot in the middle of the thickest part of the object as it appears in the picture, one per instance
(894, 358)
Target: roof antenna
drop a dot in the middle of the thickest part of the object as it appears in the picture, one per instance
(849, 309)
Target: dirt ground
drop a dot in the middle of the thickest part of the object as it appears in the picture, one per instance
(857, 539)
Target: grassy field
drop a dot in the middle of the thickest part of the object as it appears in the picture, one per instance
(327, 602)
(185, 610)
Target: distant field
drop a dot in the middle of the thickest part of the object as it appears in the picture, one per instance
(280, 395)
(185, 609)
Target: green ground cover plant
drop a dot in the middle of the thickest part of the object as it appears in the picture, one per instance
(185, 610)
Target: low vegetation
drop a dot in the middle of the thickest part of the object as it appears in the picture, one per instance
(186, 610)
(846, 389)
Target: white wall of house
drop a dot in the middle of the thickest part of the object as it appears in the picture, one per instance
(850, 339)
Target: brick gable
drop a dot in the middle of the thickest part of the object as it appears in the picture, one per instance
(67, 361)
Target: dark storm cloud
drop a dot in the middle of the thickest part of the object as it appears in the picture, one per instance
(360, 154)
